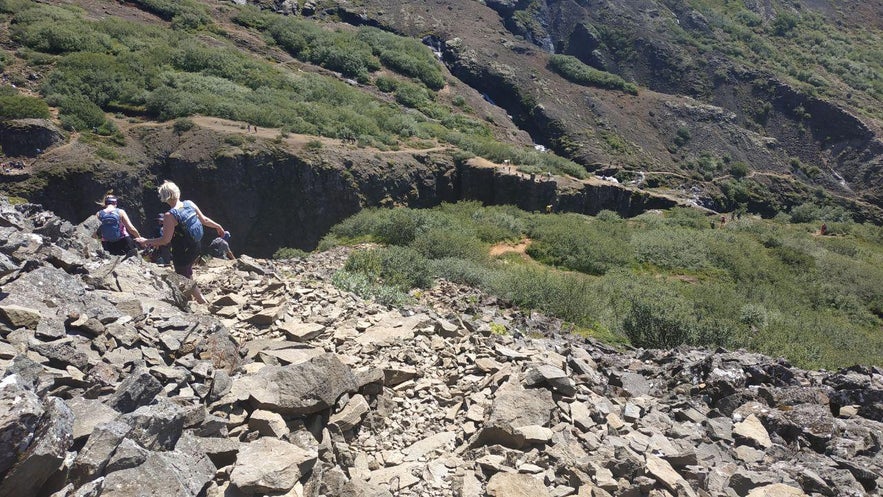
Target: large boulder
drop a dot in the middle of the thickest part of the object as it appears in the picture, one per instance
(270, 465)
(303, 388)
(20, 410)
(46, 453)
(515, 407)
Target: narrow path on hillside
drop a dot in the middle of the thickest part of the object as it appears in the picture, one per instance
(506, 248)
(294, 139)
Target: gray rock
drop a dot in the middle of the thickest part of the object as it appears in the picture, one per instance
(268, 424)
(550, 377)
(20, 411)
(270, 465)
(744, 481)
(719, 429)
(776, 490)
(20, 316)
(515, 407)
(89, 413)
(62, 352)
(45, 455)
(221, 451)
(137, 389)
(752, 431)
(127, 455)
(7, 265)
(157, 426)
(302, 388)
(29, 372)
(302, 332)
(221, 350)
(633, 383)
(95, 454)
(174, 474)
(360, 488)
(351, 414)
(516, 485)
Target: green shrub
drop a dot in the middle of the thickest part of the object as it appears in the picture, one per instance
(671, 248)
(399, 267)
(573, 242)
(575, 71)
(184, 14)
(405, 56)
(752, 285)
(682, 136)
(411, 95)
(290, 253)
(466, 272)
(399, 226)
(445, 242)
(182, 125)
(235, 140)
(659, 321)
(22, 107)
(365, 287)
(79, 113)
(106, 152)
(810, 212)
(386, 85)
(739, 169)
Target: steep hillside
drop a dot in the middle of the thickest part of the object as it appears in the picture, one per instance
(717, 86)
(749, 106)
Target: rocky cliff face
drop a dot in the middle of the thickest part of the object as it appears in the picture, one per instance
(28, 137)
(115, 386)
(281, 194)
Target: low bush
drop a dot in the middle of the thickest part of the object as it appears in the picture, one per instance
(78, 113)
(365, 287)
(22, 107)
(290, 253)
(399, 267)
(450, 242)
(575, 71)
(182, 125)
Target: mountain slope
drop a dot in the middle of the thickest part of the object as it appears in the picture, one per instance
(717, 106)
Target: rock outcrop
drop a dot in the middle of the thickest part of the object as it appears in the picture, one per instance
(284, 385)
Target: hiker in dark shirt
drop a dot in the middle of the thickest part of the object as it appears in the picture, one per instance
(182, 227)
(116, 229)
(220, 247)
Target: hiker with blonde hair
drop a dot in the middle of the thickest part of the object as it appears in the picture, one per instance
(182, 227)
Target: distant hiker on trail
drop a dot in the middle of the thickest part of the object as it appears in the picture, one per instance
(220, 247)
(115, 230)
(182, 226)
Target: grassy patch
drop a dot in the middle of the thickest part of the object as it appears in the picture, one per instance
(575, 71)
(657, 280)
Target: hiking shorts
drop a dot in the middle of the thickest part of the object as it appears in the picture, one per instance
(123, 246)
(184, 254)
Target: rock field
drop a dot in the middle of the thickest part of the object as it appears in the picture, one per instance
(113, 385)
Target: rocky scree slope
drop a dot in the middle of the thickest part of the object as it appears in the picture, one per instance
(113, 385)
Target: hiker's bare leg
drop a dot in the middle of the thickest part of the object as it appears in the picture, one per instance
(197, 294)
